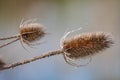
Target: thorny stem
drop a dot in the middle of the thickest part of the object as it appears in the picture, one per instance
(31, 60)
(9, 43)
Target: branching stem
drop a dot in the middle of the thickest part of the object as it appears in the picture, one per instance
(12, 37)
(9, 43)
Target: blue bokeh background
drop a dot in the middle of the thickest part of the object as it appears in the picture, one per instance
(59, 16)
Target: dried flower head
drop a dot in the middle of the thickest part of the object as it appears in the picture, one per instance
(86, 44)
(31, 32)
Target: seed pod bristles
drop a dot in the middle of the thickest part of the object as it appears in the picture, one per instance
(86, 44)
(31, 32)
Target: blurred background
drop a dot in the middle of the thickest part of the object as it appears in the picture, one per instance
(59, 16)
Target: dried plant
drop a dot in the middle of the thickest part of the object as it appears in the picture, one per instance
(85, 45)
(29, 32)
(73, 48)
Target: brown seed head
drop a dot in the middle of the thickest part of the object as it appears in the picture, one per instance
(86, 44)
(31, 32)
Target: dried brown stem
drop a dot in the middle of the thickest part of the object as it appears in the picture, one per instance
(9, 43)
(31, 60)
(6, 38)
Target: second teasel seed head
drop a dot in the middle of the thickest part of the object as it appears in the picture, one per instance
(31, 32)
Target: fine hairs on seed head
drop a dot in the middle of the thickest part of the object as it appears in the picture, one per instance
(31, 32)
(85, 45)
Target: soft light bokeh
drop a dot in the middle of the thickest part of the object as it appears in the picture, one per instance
(59, 16)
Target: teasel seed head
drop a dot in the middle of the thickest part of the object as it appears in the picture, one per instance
(84, 45)
(31, 32)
